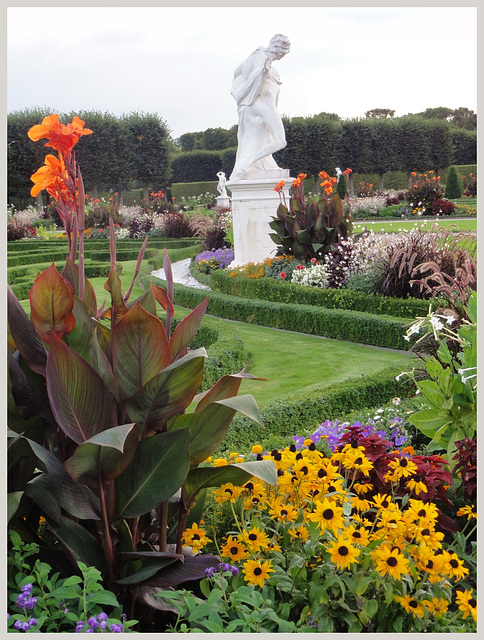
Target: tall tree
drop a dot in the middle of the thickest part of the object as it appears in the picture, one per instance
(413, 144)
(190, 141)
(464, 145)
(464, 118)
(148, 137)
(355, 148)
(380, 113)
(383, 146)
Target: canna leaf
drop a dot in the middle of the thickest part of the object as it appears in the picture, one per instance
(71, 274)
(108, 453)
(192, 568)
(113, 285)
(185, 331)
(168, 393)
(161, 296)
(140, 350)
(75, 498)
(226, 387)
(149, 568)
(236, 474)
(81, 403)
(157, 471)
(81, 545)
(40, 491)
(80, 336)
(13, 501)
(27, 341)
(51, 304)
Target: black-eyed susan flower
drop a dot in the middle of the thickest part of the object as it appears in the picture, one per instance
(283, 512)
(355, 459)
(234, 549)
(454, 566)
(256, 572)
(428, 561)
(195, 537)
(402, 468)
(390, 561)
(343, 553)
(255, 539)
(382, 501)
(361, 488)
(425, 513)
(227, 493)
(359, 536)
(328, 515)
(299, 533)
(437, 606)
(429, 537)
(416, 485)
(411, 605)
(360, 504)
(467, 603)
(468, 511)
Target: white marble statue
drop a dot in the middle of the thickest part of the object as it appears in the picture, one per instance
(338, 172)
(221, 184)
(255, 88)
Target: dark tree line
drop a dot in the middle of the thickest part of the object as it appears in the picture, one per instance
(134, 147)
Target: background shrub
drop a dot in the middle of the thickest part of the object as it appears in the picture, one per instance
(453, 185)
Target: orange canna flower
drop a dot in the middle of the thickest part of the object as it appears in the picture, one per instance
(279, 186)
(51, 176)
(301, 176)
(296, 183)
(60, 137)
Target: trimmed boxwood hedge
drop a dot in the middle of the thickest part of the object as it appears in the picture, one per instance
(285, 417)
(272, 290)
(339, 324)
(156, 262)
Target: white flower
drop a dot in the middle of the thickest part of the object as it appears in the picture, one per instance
(436, 323)
(450, 319)
(396, 402)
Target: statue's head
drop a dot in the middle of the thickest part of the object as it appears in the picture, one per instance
(280, 45)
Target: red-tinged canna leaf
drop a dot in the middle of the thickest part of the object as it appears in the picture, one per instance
(167, 394)
(149, 568)
(107, 453)
(113, 285)
(236, 474)
(192, 568)
(137, 268)
(30, 346)
(185, 331)
(75, 498)
(25, 395)
(101, 364)
(209, 427)
(51, 304)
(147, 301)
(13, 502)
(157, 471)
(80, 336)
(81, 403)
(161, 296)
(71, 274)
(226, 387)
(139, 350)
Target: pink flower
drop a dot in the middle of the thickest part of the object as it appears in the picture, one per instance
(313, 260)
(300, 266)
(283, 275)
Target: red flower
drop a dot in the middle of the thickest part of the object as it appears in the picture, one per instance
(283, 275)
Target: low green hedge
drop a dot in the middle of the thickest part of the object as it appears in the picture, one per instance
(284, 418)
(270, 289)
(181, 190)
(203, 278)
(175, 255)
(122, 255)
(339, 324)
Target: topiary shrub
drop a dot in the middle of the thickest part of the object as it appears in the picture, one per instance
(453, 186)
(342, 187)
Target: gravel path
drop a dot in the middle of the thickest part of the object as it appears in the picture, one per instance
(181, 275)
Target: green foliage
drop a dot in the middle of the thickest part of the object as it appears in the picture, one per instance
(280, 417)
(465, 146)
(342, 187)
(61, 604)
(311, 226)
(270, 290)
(196, 166)
(453, 185)
(102, 415)
(189, 189)
(353, 326)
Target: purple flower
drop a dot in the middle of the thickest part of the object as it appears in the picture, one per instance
(17, 624)
(102, 616)
(235, 570)
(103, 624)
(33, 622)
(90, 630)
(79, 626)
(26, 587)
(116, 628)
(209, 573)
(92, 622)
(30, 603)
(225, 566)
(25, 626)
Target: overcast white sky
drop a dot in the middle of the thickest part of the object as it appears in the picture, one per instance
(179, 61)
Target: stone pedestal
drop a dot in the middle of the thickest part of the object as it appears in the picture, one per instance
(254, 204)
(223, 201)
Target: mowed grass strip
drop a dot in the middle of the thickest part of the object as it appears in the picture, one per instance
(395, 226)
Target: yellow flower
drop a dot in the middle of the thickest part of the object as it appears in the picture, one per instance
(257, 449)
(355, 459)
(299, 533)
(402, 467)
(360, 504)
(255, 539)
(411, 605)
(327, 515)
(227, 493)
(390, 561)
(283, 512)
(234, 549)
(436, 606)
(362, 487)
(358, 536)
(417, 487)
(467, 511)
(454, 566)
(195, 537)
(467, 603)
(219, 462)
(256, 572)
(342, 553)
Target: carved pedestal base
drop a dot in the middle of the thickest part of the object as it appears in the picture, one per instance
(223, 201)
(254, 204)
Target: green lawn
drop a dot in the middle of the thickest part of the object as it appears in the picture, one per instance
(394, 226)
